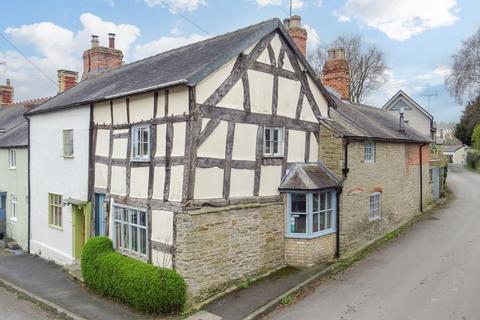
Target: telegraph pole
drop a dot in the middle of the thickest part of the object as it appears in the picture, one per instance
(429, 95)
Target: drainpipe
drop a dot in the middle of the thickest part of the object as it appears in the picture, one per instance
(337, 235)
(345, 169)
(28, 188)
(421, 177)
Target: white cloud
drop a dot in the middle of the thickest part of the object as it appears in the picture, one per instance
(313, 39)
(163, 44)
(401, 19)
(56, 48)
(182, 5)
(296, 4)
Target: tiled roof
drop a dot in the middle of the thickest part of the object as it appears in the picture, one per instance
(309, 176)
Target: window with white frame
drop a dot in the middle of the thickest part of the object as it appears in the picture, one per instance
(130, 230)
(12, 159)
(55, 208)
(141, 143)
(14, 201)
(370, 151)
(273, 142)
(375, 208)
(311, 213)
(68, 143)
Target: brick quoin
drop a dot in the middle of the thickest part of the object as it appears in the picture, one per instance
(413, 155)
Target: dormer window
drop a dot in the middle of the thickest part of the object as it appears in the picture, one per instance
(141, 143)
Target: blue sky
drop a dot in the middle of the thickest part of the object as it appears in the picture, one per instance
(417, 36)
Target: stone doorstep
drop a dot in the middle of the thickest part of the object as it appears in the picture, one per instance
(74, 273)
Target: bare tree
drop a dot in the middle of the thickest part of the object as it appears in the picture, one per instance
(464, 80)
(366, 64)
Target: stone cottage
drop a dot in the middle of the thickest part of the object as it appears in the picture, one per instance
(223, 159)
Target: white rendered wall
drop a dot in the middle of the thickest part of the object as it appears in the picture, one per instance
(50, 172)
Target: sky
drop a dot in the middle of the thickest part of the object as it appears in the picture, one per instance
(418, 37)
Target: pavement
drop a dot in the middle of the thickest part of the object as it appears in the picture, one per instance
(46, 282)
(431, 272)
(13, 307)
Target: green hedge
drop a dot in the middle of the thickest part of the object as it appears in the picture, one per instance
(144, 286)
(473, 160)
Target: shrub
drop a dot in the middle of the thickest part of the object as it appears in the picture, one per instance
(473, 159)
(145, 287)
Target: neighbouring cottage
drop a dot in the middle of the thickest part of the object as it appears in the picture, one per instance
(222, 159)
(456, 153)
(14, 170)
(422, 120)
(378, 155)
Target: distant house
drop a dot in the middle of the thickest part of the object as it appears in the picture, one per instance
(223, 159)
(14, 171)
(456, 153)
(415, 116)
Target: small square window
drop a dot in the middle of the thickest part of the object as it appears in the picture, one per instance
(369, 152)
(273, 142)
(141, 143)
(12, 159)
(68, 143)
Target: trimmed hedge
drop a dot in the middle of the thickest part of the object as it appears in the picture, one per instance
(145, 287)
(473, 160)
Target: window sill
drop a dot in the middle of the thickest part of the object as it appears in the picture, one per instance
(375, 219)
(55, 227)
(132, 255)
(13, 219)
(67, 157)
(311, 236)
(273, 157)
(140, 160)
(12, 168)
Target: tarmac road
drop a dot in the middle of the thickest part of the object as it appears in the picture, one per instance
(432, 272)
(14, 308)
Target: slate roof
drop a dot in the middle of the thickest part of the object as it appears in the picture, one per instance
(185, 65)
(451, 147)
(14, 125)
(309, 176)
(358, 120)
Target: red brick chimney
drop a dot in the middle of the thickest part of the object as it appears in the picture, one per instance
(336, 73)
(66, 79)
(6, 93)
(297, 32)
(98, 59)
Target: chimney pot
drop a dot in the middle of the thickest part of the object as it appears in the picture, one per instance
(111, 40)
(402, 120)
(8, 83)
(94, 41)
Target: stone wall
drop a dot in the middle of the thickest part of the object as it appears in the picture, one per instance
(395, 173)
(307, 252)
(217, 248)
(331, 151)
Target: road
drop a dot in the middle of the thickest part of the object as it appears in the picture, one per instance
(430, 272)
(13, 308)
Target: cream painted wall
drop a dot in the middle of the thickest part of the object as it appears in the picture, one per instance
(159, 183)
(307, 113)
(120, 111)
(52, 173)
(208, 85)
(214, 145)
(179, 132)
(313, 157)
(234, 98)
(141, 107)
(162, 226)
(178, 100)
(15, 182)
(296, 146)
(103, 143)
(161, 259)
(101, 173)
(241, 183)
(319, 97)
(244, 141)
(161, 140)
(270, 179)
(139, 182)
(176, 183)
(119, 178)
(120, 148)
(101, 113)
(261, 88)
(288, 92)
(208, 183)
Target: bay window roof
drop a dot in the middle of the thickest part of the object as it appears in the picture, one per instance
(309, 176)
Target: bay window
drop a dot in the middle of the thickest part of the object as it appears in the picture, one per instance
(311, 214)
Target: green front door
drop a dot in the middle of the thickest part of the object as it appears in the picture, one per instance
(81, 227)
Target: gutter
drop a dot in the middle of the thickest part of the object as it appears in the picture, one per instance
(28, 188)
